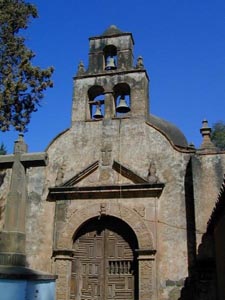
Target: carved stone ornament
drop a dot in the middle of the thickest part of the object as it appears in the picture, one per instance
(102, 211)
(152, 178)
(60, 176)
(140, 209)
(106, 154)
(140, 64)
(81, 69)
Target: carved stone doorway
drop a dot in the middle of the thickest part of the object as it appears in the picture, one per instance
(105, 265)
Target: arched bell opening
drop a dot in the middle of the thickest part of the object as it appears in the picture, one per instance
(105, 264)
(122, 99)
(96, 102)
(110, 57)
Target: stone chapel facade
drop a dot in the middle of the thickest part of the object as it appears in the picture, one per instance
(120, 208)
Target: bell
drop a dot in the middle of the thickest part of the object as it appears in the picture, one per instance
(98, 113)
(122, 107)
(110, 65)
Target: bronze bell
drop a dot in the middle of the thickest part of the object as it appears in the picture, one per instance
(122, 107)
(110, 64)
(98, 113)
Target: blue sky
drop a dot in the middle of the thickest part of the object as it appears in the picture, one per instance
(182, 43)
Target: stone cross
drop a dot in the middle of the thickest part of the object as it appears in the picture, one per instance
(106, 155)
(12, 238)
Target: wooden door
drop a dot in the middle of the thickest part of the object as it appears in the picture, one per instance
(104, 266)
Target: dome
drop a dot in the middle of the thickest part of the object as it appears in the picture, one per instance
(171, 131)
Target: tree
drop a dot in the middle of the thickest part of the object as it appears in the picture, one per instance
(3, 150)
(218, 135)
(21, 84)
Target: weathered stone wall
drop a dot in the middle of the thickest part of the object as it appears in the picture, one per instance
(135, 145)
(206, 278)
(40, 221)
(208, 173)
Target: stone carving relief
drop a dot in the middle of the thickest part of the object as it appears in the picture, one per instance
(140, 64)
(106, 155)
(92, 178)
(128, 215)
(140, 209)
(102, 211)
(152, 177)
(60, 176)
(105, 170)
(146, 276)
(146, 268)
(81, 69)
(104, 174)
(123, 67)
(70, 213)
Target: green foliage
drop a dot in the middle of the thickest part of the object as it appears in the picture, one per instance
(3, 150)
(218, 135)
(21, 84)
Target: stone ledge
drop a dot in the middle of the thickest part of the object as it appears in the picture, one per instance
(103, 192)
(145, 254)
(21, 273)
(63, 254)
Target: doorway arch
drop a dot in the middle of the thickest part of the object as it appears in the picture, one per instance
(105, 264)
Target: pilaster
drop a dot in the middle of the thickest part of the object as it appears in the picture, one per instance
(147, 285)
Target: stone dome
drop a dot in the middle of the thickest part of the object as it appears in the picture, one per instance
(170, 130)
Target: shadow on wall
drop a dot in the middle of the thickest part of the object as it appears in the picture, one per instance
(206, 278)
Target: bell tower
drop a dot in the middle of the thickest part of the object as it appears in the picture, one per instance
(112, 86)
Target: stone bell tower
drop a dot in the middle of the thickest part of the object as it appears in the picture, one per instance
(111, 86)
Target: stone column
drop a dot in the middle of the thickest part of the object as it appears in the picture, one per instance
(146, 264)
(62, 265)
(109, 105)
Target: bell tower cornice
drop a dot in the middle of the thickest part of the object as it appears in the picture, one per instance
(112, 73)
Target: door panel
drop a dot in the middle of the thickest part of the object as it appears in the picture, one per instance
(103, 265)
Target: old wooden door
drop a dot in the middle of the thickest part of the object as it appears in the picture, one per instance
(104, 266)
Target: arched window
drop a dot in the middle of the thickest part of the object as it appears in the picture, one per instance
(96, 102)
(122, 99)
(110, 57)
